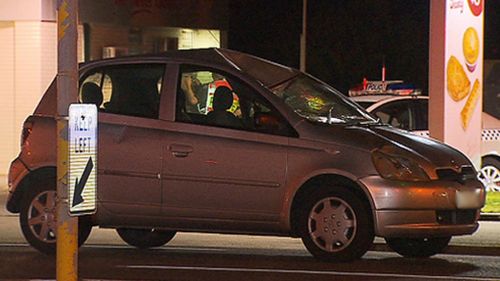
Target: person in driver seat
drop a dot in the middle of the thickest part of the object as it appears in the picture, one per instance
(220, 115)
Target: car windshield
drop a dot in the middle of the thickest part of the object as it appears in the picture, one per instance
(318, 102)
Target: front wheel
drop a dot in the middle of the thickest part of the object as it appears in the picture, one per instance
(335, 225)
(38, 218)
(418, 247)
(145, 238)
(489, 174)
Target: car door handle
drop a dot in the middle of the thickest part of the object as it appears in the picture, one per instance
(180, 150)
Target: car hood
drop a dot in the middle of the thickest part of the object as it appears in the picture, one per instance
(437, 153)
(431, 154)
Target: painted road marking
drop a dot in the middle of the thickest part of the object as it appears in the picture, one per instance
(298, 271)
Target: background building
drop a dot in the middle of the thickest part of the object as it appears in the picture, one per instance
(28, 54)
(107, 28)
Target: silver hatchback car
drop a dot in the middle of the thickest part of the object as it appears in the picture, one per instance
(220, 141)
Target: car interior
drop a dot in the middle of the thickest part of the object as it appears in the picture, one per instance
(132, 90)
(232, 105)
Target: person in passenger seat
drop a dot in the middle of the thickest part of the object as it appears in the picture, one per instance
(187, 87)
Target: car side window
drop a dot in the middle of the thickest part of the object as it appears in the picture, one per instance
(396, 114)
(213, 98)
(421, 110)
(132, 90)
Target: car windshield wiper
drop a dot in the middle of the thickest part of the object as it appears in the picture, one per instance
(330, 115)
(324, 119)
(371, 123)
(355, 119)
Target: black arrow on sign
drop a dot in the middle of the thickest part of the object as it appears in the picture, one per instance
(79, 185)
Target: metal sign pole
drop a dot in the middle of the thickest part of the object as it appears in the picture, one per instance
(67, 89)
(303, 38)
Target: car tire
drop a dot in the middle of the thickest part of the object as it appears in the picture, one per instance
(145, 238)
(38, 217)
(489, 174)
(335, 225)
(418, 247)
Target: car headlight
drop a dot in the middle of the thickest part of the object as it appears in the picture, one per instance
(398, 167)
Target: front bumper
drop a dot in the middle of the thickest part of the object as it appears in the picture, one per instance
(424, 209)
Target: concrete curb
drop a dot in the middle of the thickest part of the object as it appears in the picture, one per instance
(490, 217)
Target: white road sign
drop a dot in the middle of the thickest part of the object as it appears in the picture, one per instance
(82, 175)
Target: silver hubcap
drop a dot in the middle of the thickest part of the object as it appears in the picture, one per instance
(332, 224)
(490, 177)
(42, 216)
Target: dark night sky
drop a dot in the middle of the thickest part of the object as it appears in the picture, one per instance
(347, 40)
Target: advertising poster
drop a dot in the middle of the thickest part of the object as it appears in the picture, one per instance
(464, 76)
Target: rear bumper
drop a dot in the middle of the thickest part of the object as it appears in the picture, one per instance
(424, 209)
(17, 171)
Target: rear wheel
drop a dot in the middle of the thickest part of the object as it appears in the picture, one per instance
(38, 218)
(335, 225)
(145, 238)
(418, 247)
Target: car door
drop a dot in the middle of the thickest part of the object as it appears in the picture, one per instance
(214, 171)
(129, 143)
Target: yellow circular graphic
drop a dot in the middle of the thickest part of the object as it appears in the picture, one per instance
(471, 45)
(315, 103)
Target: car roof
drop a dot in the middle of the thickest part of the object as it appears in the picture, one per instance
(266, 72)
(375, 101)
(379, 98)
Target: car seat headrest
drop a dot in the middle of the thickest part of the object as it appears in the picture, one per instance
(91, 93)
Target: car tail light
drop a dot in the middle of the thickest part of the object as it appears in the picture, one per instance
(27, 128)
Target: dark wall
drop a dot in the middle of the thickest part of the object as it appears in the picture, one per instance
(347, 40)
(209, 14)
(492, 30)
(268, 29)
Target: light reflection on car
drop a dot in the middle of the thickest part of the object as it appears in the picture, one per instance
(410, 112)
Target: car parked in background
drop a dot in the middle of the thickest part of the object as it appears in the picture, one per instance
(220, 141)
(410, 112)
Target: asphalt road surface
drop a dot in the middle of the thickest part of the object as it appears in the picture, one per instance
(183, 262)
(195, 256)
